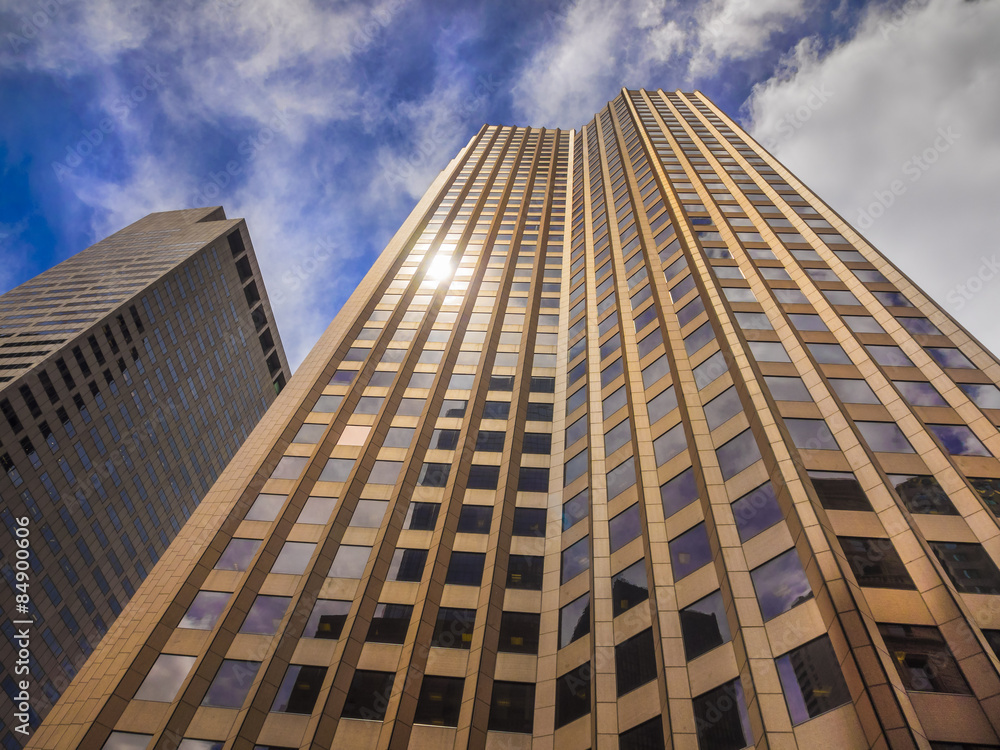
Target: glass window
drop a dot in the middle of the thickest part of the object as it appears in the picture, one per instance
(531, 479)
(453, 628)
(299, 689)
(389, 623)
(737, 454)
(671, 443)
(923, 659)
(529, 522)
(232, 683)
(461, 382)
(496, 410)
(781, 584)
(265, 507)
(433, 475)
(576, 509)
(853, 391)
(368, 696)
(349, 562)
(791, 296)
(958, 440)
(919, 326)
(525, 572)
(889, 356)
(385, 472)
(238, 554)
(828, 354)
(539, 384)
(453, 408)
(422, 516)
(327, 404)
(875, 563)
(401, 437)
(884, 437)
(839, 490)
(369, 514)
(617, 436)
(289, 467)
(739, 294)
(983, 396)
(690, 551)
(205, 610)
(919, 393)
(369, 405)
(519, 632)
(327, 619)
(709, 370)
(573, 695)
(721, 718)
(869, 276)
(625, 527)
(787, 388)
(922, 494)
(483, 477)
(969, 566)
(704, 626)
(465, 568)
(768, 351)
(989, 490)
(613, 403)
(695, 340)
(812, 681)
(679, 492)
(293, 558)
(811, 434)
(577, 430)
(407, 565)
(755, 321)
(165, 678)
(756, 511)
(410, 407)
(836, 296)
(722, 408)
(947, 357)
(503, 382)
(536, 443)
(645, 736)
(265, 615)
(127, 741)
(512, 707)
(635, 662)
(863, 324)
(475, 519)
(317, 510)
(575, 559)
(662, 405)
(337, 470)
(543, 412)
(654, 371)
(490, 441)
(610, 373)
(574, 620)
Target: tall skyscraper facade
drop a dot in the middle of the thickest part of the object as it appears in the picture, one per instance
(627, 440)
(130, 374)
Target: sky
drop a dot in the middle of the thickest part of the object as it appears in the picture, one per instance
(322, 123)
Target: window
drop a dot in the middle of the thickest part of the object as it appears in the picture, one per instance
(839, 490)
(923, 659)
(629, 587)
(490, 441)
(577, 430)
(422, 516)
(232, 683)
(265, 615)
(573, 695)
(349, 562)
(757, 321)
(922, 494)
(574, 620)
(165, 678)
(875, 563)
(327, 619)
(690, 551)
(519, 632)
(787, 388)
(407, 565)
(617, 436)
(317, 510)
(704, 626)
(863, 324)
(293, 558)
(389, 623)
(238, 554)
(496, 410)
(854, 391)
(529, 522)
(670, 444)
(645, 736)
(989, 490)
(299, 689)
(694, 341)
(709, 370)
(635, 662)
(453, 408)
(205, 610)
(433, 475)
(811, 434)
(576, 467)
(919, 393)
(947, 357)
(958, 440)
(812, 681)
(465, 568)
(483, 477)
(265, 508)
(531, 479)
(889, 356)
(127, 741)
(512, 707)
(721, 718)
(576, 509)
(537, 443)
(368, 514)
(337, 470)
(657, 369)
(621, 478)
(440, 701)
(884, 437)
(475, 519)
(828, 354)
(983, 396)
(768, 351)
(969, 566)
(737, 454)
(662, 405)
(453, 628)
(722, 408)
(781, 584)
(289, 467)
(756, 511)
(525, 572)
(368, 696)
(625, 527)
(327, 404)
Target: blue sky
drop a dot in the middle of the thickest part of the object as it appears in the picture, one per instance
(323, 123)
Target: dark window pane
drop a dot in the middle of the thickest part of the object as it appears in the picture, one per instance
(496, 410)
(531, 479)
(542, 385)
(922, 494)
(512, 707)
(576, 467)
(811, 434)
(299, 690)
(327, 619)
(612, 371)
(475, 519)
(529, 521)
(923, 659)
(621, 478)
(575, 559)
(625, 527)
(629, 587)
(445, 440)
(690, 551)
(721, 718)
(389, 623)
(368, 696)
(466, 568)
(989, 490)
(502, 383)
(573, 695)
(756, 511)
(958, 440)
(646, 736)
(231, 684)
(738, 454)
(781, 584)
(812, 680)
(969, 566)
(525, 572)
(576, 509)
(679, 492)
(483, 477)
(440, 701)
(265, 615)
(519, 632)
(839, 490)
(238, 554)
(422, 516)
(407, 565)
(704, 626)
(433, 475)
(574, 620)
(876, 563)
(537, 443)
(453, 408)
(538, 412)
(854, 391)
(453, 628)
(635, 662)
(670, 444)
(884, 437)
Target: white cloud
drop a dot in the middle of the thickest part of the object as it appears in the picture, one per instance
(738, 29)
(887, 96)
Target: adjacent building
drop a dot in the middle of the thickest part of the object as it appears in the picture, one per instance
(627, 440)
(130, 374)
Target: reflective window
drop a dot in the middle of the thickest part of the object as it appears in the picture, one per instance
(657, 369)
(875, 563)
(317, 510)
(512, 707)
(531, 479)
(574, 620)
(575, 559)
(453, 408)
(694, 341)
(401, 437)
(617, 436)
(787, 388)
(576, 509)
(853, 391)
(781, 584)
(293, 558)
(828, 354)
(756, 511)
(483, 477)
(811, 434)
(812, 681)
(577, 430)
(645, 736)
(690, 551)
(165, 678)
(625, 527)
(465, 568)
(679, 492)
(958, 440)
(889, 356)
(710, 370)
(721, 718)
(475, 519)
(289, 467)
(573, 695)
(519, 632)
(385, 472)
(265, 507)
(839, 490)
(536, 443)
(369, 514)
(722, 408)
(265, 615)
(422, 516)
(919, 393)
(983, 396)
(969, 566)
(205, 610)
(635, 662)
(947, 357)
(629, 587)
(231, 684)
(621, 478)
(367, 696)
(529, 522)
(884, 437)
(299, 689)
(737, 454)
(662, 405)
(349, 562)
(238, 554)
(671, 443)
(863, 324)
(127, 741)
(407, 565)
(790, 296)
(525, 572)
(327, 619)
(704, 626)
(923, 659)
(919, 326)
(327, 404)
(389, 623)
(835, 296)
(496, 410)
(922, 494)
(433, 475)
(453, 628)
(989, 490)
(754, 321)
(768, 351)
(337, 470)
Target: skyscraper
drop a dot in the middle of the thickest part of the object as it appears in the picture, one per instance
(131, 373)
(626, 440)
